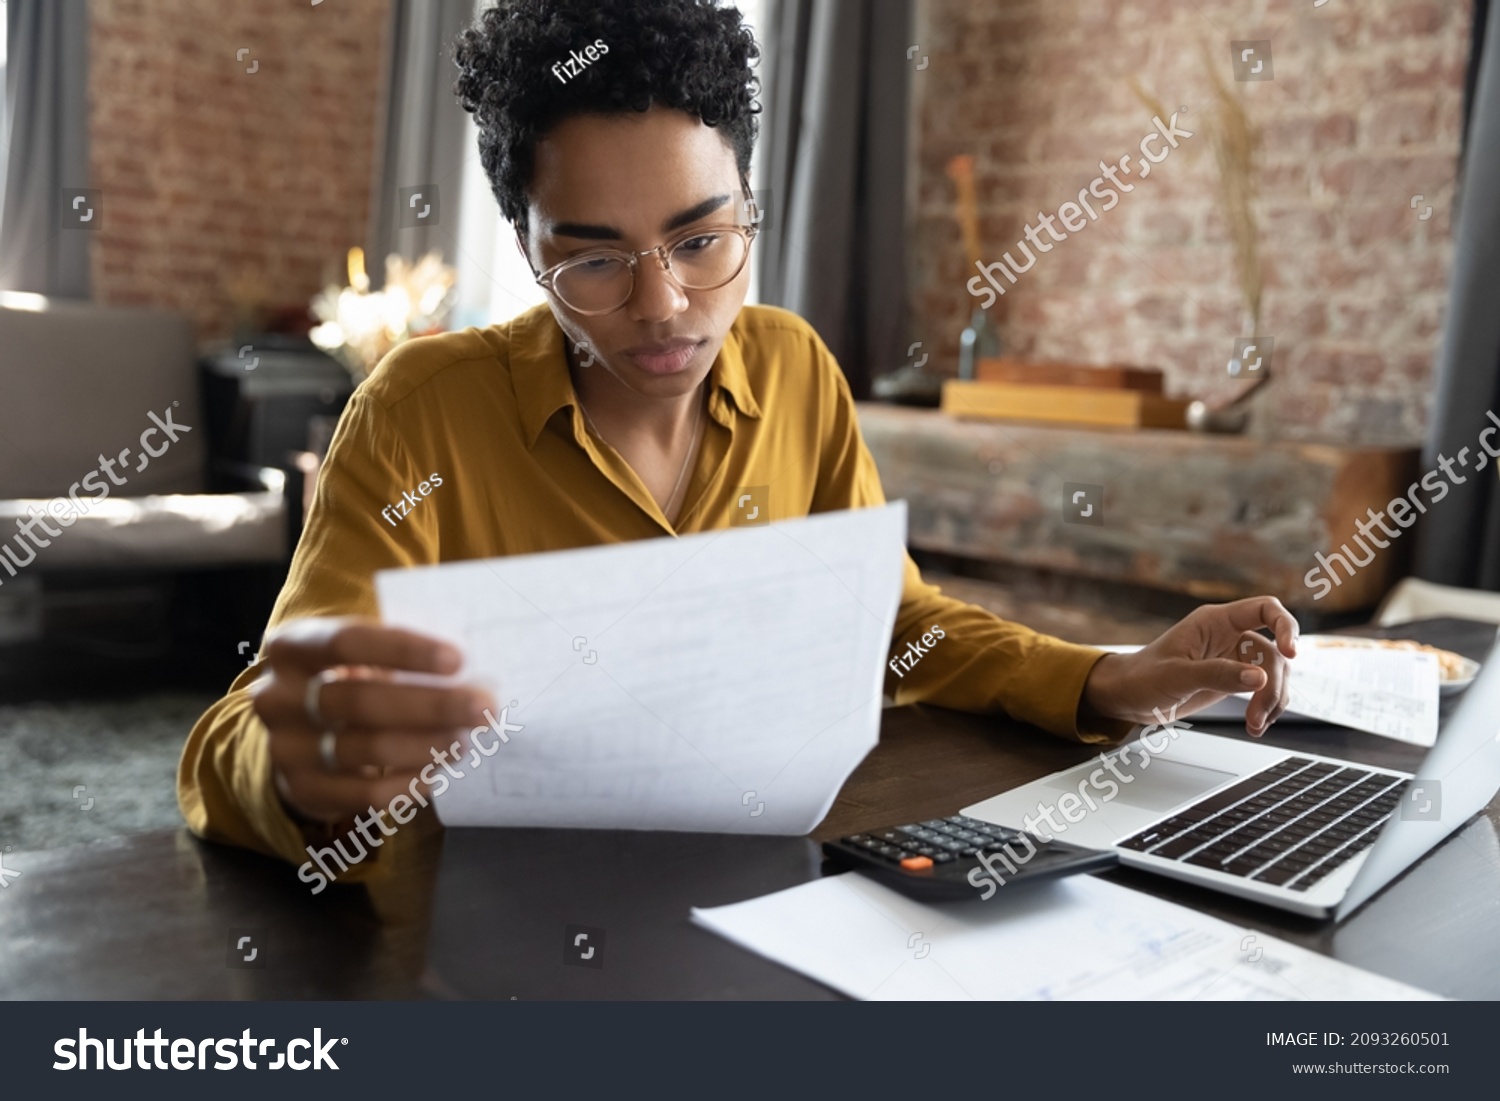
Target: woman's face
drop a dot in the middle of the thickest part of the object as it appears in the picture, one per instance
(631, 182)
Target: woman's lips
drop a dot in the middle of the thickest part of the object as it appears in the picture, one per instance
(664, 359)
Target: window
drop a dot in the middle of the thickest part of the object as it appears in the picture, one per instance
(494, 281)
(4, 115)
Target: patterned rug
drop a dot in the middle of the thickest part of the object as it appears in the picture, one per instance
(77, 772)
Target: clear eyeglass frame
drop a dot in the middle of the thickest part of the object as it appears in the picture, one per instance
(662, 252)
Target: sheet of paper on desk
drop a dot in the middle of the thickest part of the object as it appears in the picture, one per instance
(727, 681)
(1393, 693)
(1080, 938)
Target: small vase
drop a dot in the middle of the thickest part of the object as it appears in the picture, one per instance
(981, 340)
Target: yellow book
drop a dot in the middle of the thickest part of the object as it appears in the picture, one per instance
(1062, 405)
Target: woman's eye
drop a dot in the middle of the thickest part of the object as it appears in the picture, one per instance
(698, 244)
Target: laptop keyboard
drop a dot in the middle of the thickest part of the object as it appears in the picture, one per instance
(1288, 826)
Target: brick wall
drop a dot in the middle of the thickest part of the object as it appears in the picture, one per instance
(220, 182)
(1363, 112)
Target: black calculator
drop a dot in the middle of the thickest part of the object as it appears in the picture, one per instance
(960, 857)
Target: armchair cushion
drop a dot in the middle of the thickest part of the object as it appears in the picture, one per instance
(81, 380)
(165, 531)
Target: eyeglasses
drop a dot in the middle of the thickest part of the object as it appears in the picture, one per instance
(701, 259)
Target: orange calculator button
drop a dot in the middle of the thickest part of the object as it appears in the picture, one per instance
(917, 862)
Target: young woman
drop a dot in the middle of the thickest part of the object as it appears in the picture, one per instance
(634, 405)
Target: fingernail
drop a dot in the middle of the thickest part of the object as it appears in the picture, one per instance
(1249, 678)
(447, 658)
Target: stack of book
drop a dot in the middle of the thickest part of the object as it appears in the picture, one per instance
(1065, 393)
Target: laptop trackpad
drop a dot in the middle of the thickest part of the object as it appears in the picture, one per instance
(1161, 786)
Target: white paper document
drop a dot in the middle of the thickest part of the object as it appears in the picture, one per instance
(1079, 938)
(1393, 693)
(727, 681)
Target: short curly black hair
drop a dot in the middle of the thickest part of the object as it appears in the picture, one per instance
(692, 55)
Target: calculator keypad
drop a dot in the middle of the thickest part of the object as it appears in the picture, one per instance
(943, 840)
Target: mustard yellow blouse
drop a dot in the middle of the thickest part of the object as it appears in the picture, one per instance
(491, 414)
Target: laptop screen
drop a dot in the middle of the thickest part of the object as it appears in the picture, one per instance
(1458, 778)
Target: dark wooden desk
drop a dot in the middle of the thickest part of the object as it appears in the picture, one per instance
(484, 913)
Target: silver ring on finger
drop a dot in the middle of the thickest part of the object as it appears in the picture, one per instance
(312, 697)
(328, 747)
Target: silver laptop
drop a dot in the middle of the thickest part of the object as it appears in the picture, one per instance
(1311, 834)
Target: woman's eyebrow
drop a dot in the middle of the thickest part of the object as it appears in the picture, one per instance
(692, 214)
(610, 233)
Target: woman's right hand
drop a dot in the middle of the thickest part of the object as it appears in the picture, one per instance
(386, 732)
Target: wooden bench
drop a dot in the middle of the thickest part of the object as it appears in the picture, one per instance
(1214, 517)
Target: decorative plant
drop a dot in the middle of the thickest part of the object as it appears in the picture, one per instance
(358, 327)
(1235, 142)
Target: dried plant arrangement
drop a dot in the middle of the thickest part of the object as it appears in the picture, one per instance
(1235, 142)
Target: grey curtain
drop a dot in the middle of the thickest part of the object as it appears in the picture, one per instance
(834, 143)
(1460, 538)
(420, 136)
(46, 99)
